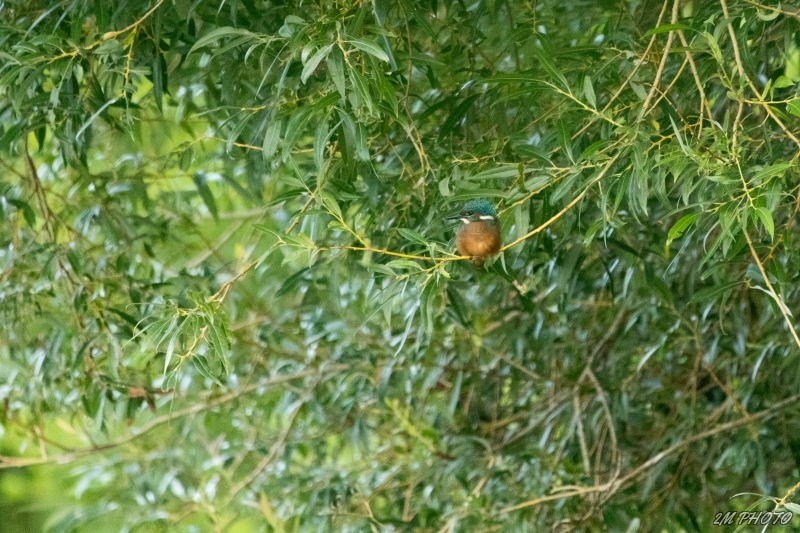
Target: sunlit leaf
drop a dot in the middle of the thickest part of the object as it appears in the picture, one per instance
(314, 61)
(793, 107)
(413, 236)
(588, 91)
(218, 34)
(371, 48)
(680, 226)
(765, 217)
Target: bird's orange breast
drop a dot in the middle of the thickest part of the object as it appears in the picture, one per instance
(478, 239)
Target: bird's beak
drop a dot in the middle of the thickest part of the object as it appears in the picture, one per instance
(454, 217)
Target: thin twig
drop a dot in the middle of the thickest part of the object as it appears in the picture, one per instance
(136, 432)
(276, 447)
(740, 68)
(112, 34)
(704, 105)
(569, 206)
(778, 300)
(576, 403)
(613, 486)
(664, 56)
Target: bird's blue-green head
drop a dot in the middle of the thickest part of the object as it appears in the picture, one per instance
(476, 210)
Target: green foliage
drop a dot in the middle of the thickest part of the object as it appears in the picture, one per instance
(230, 301)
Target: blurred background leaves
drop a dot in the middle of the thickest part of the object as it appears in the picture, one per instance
(229, 299)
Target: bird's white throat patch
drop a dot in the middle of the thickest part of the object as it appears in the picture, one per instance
(466, 220)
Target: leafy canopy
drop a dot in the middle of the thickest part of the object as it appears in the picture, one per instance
(229, 300)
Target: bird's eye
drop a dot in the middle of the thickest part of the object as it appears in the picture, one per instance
(467, 213)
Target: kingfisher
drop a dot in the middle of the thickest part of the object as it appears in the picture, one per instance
(479, 235)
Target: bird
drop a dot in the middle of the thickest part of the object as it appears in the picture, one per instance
(478, 237)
